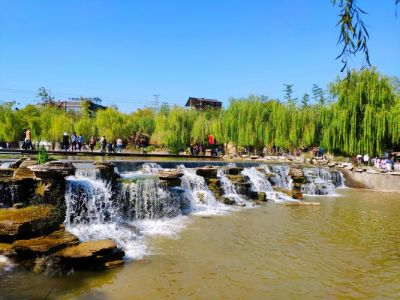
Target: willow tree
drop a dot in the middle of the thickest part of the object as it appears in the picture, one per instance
(142, 120)
(112, 124)
(85, 126)
(244, 122)
(358, 122)
(173, 129)
(10, 123)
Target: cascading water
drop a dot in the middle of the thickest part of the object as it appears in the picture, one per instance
(282, 178)
(141, 204)
(147, 198)
(6, 164)
(229, 189)
(92, 214)
(198, 196)
(321, 181)
(259, 183)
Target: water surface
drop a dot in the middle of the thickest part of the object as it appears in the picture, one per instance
(348, 248)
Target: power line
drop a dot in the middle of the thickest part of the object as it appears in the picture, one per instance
(115, 99)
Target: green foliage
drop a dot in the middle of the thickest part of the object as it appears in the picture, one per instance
(363, 117)
(42, 156)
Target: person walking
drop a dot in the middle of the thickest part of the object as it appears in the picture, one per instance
(366, 159)
(103, 143)
(119, 145)
(28, 142)
(74, 139)
(92, 143)
(65, 141)
(80, 141)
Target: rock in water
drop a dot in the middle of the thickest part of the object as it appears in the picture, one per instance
(27, 222)
(45, 244)
(53, 170)
(100, 254)
(207, 172)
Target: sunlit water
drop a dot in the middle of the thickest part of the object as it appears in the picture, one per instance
(347, 248)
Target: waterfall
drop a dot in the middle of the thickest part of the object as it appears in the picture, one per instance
(198, 196)
(259, 183)
(321, 181)
(147, 198)
(230, 189)
(6, 164)
(92, 214)
(282, 180)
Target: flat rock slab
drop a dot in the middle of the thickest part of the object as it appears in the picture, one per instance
(100, 254)
(234, 170)
(45, 244)
(53, 170)
(25, 222)
(6, 249)
(207, 172)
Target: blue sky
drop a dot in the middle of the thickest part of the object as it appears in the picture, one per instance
(126, 51)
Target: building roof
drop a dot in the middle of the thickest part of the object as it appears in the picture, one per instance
(201, 100)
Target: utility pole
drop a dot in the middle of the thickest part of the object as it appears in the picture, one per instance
(155, 102)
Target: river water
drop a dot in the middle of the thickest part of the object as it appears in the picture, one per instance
(347, 248)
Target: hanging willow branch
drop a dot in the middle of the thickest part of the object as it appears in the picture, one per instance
(353, 33)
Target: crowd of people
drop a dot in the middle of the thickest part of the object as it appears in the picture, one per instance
(76, 143)
(387, 163)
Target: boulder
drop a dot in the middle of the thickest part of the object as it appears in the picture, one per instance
(6, 249)
(296, 172)
(299, 179)
(236, 178)
(214, 184)
(227, 200)
(293, 194)
(27, 222)
(91, 255)
(332, 164)
(171, 177)
(106, 170)
(6, 172)
(13, 190)
(53, 170)
(26, 163)
(45, 245)
(207, 172)
(234, 171)
(257, 196)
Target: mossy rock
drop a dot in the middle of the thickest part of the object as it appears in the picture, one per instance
(7, 249)
(234, 170)
(299, 179)
(45, 245)
(214, 185)
(27, 222)
(207, 172)
(6, 172)
(237, 178)
(257, 196)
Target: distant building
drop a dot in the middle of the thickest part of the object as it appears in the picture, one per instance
(202, 103)
(77, 104)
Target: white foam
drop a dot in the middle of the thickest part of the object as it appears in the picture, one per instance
(5, 263)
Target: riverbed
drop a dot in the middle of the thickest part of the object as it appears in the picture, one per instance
(346, 248)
